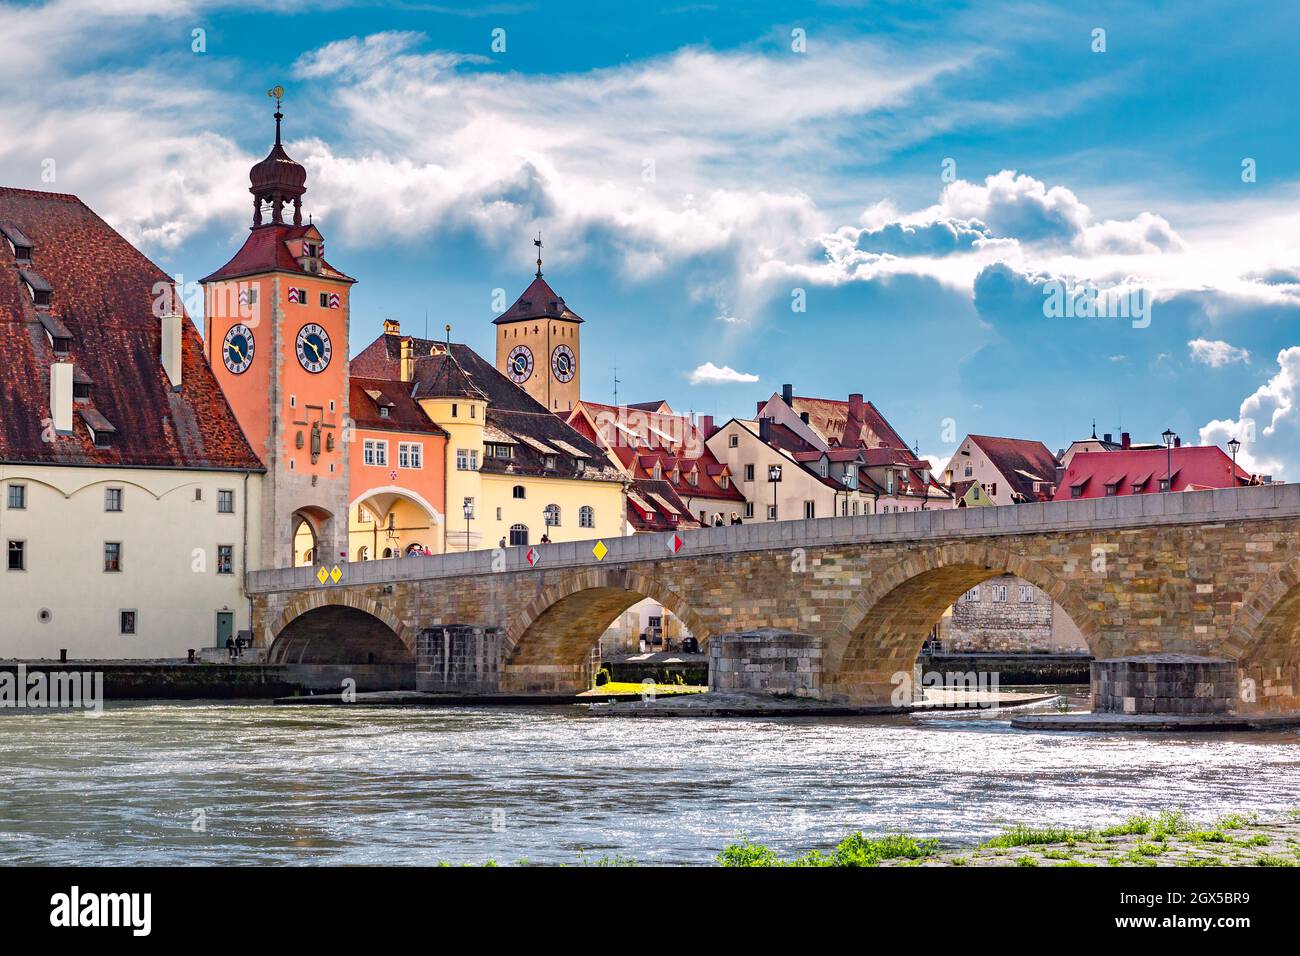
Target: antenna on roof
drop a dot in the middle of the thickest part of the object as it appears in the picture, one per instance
(447, 329)
(538, 243)
(616, 380)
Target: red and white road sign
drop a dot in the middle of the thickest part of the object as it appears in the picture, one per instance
(675, 542)
(533, 556)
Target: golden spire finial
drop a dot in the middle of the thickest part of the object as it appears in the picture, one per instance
(538, 243)
(277, 93)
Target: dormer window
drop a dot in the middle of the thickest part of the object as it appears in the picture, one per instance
(19, 245)
(383, 411)
(101, 430)
(40, 290)
(550, 462)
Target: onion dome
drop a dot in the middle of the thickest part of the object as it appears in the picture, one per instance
(276, 180)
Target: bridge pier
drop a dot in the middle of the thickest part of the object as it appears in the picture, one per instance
(469, 659)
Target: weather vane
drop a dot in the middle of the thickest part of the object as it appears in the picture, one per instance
(538, 243)
(277, 93)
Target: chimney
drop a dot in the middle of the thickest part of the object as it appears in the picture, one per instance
(764, 429)
(1124, 440)
(706, 426)
(1106, 438)
(171, 348)
(855, 405)
(787, 395)
(1178, 442)
(803, 417)
(61, 397)
(408, 359)
(392, 327)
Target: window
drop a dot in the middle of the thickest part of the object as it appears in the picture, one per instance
(1112, 490)
(971, 596)
(1164, 484)
(473, 411)
(724, 482)
(297, 296)
(324, 296)
(749, 472)
(550, 462)
(810, 509)
(225, 501)
(112, 499)
(375, 452)
(252, 295)
(518, 534)
(999, 593)
(17, 497)
(467, 459)
(771, 512)
(410, 454)
(733, 441)
(1076, 491)
(454, 409)
(126, 622)
(383, 411)
(749, 509)
(519, 491)
(969, 472)
(17, 555)
(552, 513)
(225, 559)
(498, 514)
(112, 556)
(1026, 594)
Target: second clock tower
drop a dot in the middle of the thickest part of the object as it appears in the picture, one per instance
(276, 318)
(539, 345)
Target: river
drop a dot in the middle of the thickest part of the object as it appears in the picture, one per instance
(250, 783)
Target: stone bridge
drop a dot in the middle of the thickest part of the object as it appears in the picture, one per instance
(1212, 573)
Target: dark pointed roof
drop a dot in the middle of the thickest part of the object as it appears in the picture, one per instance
(439, 375)
(539, 301)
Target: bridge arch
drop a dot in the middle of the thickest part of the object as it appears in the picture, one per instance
(1266, 628)
(339, 627)
(566, 618)
(884, 628)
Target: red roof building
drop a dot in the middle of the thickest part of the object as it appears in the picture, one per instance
(1104, 474)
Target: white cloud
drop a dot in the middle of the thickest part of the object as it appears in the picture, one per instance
(710, 374)
(1216, 354)
(1263, 419)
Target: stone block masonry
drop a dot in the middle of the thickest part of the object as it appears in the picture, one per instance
(1164, 684)
(458, 659)
(1213, 574)
(768, 661)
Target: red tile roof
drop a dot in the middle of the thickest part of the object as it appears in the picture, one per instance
(404, 412)
(265, 251)
(1011, 456)
(1195, 467)
(104, 291)
(832, 419)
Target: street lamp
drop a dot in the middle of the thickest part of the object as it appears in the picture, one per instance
(1234, 446)
(469, 513)
(774, 476)
(1168, 436)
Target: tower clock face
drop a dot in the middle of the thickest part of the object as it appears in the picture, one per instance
(564, 364)
(519, 364)
(314, 349)
(237, 349)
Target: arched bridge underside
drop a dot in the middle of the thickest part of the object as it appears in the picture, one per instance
(1214, 573)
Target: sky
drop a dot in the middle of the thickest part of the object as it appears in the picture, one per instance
(1006, 218)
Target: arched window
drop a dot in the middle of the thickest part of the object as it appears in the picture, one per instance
(388, 552)
(586, 517)
(519, 491)
(363, 553)
(518, 535)
(552, 513)
(309, 556)
(414, 549)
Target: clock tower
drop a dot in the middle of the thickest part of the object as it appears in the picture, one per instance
(538, 344)
(276, 334)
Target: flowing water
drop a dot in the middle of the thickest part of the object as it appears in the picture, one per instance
(197, 783)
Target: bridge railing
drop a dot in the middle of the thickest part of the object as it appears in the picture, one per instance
(1227, 504)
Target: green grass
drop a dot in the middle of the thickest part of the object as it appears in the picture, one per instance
(854, 850)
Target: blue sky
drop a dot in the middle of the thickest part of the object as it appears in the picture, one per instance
(922, 173)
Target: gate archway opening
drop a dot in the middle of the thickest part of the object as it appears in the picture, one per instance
(338, 634)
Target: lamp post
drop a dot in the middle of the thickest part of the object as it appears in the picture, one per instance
(1234, 446)
(469, 513)
(1168, 436)
(774, 476)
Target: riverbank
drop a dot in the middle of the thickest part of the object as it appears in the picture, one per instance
(1166, 839)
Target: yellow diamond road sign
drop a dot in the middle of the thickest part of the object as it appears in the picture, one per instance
(600, 550)
(321, 574)
(336, 574)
